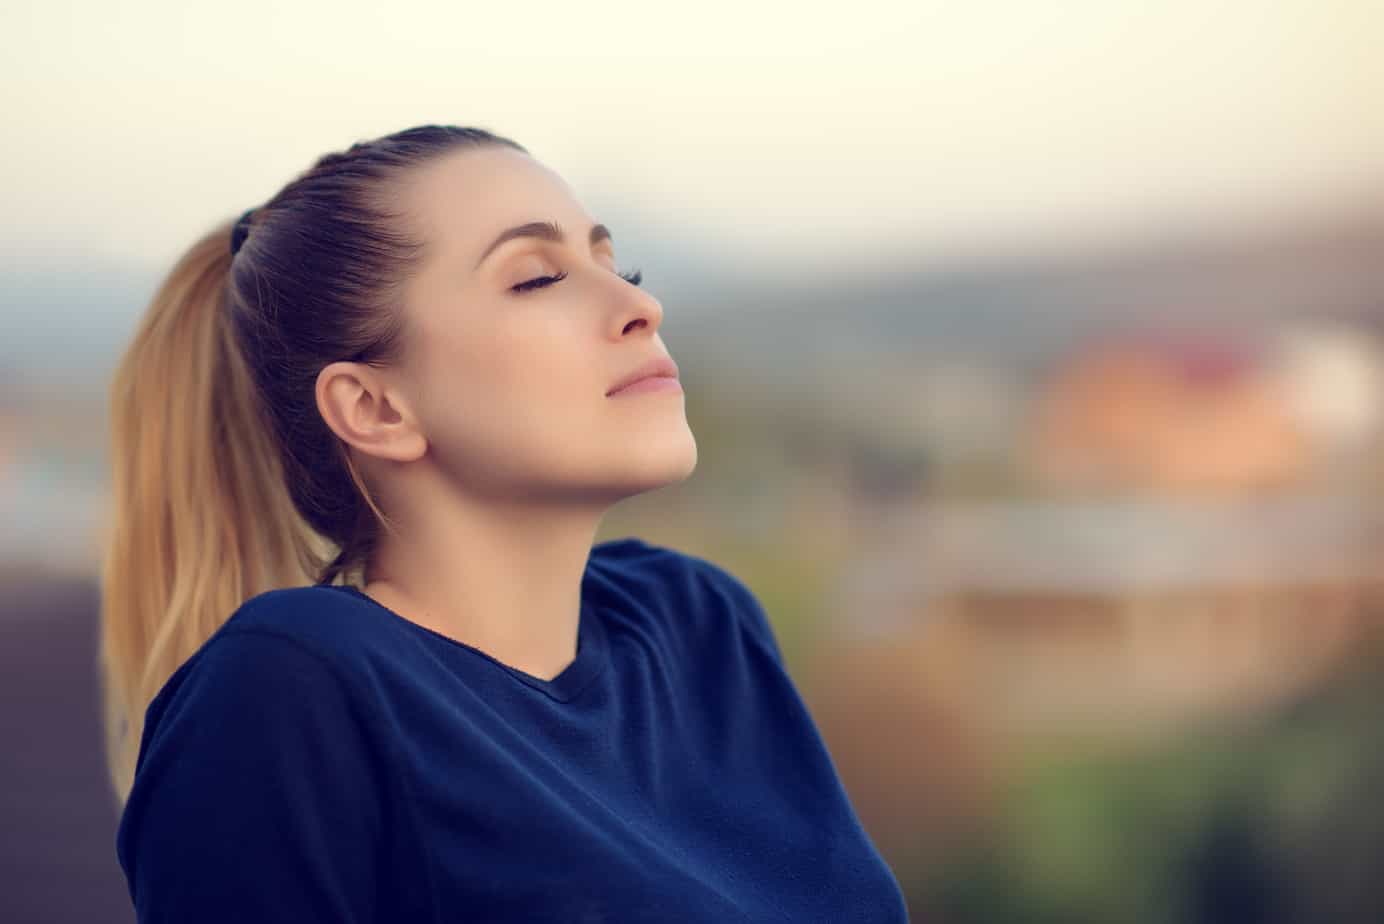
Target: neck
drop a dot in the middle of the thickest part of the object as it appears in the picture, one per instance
(502, 577)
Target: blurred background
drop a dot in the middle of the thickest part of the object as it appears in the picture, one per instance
(1033, 351)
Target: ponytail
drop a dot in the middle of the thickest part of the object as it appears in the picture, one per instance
(226, 480)
(200, 517)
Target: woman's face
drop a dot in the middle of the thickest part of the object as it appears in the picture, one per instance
(510, 386)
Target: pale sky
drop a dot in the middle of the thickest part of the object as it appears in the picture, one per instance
(854, 134)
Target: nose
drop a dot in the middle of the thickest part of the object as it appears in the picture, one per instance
(639, 310)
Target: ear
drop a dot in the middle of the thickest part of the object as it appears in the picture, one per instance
(356, 403)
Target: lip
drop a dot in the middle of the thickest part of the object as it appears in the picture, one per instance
(663, 367)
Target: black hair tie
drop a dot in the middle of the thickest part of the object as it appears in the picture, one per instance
(241, 231)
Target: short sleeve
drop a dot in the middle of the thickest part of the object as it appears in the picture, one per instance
(259, 794)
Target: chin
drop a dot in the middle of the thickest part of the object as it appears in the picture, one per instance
(680, 464)
(688, 462)
(658, 466)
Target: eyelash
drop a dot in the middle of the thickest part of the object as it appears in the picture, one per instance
(542, 282)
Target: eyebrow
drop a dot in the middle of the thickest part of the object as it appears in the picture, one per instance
(544, 230)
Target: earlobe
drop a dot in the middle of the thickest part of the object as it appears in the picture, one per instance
(414, 446)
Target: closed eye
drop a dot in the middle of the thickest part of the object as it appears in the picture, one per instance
(633, 278)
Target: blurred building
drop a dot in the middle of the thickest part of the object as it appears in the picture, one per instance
(1194, 545)
(1185, 413)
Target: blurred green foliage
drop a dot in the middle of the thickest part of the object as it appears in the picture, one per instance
(1278, 820)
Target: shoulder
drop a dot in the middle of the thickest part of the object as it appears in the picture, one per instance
(634, 563)
(689, 588)
(251, 687)
(284, 637)
(259, 735)
(329, 622)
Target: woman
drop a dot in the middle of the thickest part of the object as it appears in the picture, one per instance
(362, 659)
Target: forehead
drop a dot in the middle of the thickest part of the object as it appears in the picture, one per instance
(462, 200)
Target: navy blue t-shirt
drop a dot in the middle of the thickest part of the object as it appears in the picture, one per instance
(322, 758)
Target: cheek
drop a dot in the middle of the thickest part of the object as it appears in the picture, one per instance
(538, 362)
(475, 359)
(531, 383)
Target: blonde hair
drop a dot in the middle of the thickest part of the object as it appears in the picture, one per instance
(200, 518)
(225, 480)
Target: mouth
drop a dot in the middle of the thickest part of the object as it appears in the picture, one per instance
(659, 374)
(652, 383)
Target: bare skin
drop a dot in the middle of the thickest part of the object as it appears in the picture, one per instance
(493, 443)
